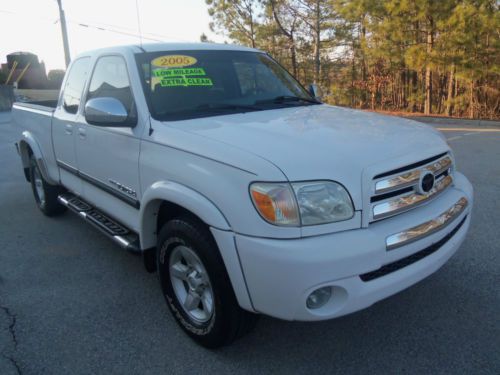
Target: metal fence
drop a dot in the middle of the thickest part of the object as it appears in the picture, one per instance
(6, 97)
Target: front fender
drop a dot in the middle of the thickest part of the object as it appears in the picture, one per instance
(27, 142)
(181, 195)
(202, 207)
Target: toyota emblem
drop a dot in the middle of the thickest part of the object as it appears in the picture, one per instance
(426, 182)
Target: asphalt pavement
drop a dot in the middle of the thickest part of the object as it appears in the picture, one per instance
(72, 302)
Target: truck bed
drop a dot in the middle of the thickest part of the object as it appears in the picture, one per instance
(33, 121)
(42, 105)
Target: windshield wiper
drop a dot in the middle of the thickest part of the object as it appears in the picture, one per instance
(228, 106)
(288, 98)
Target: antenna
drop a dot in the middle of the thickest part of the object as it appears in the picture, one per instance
(138, 21)
(140, 39)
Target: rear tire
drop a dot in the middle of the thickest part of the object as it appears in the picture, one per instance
(45, 194)
(196, 285)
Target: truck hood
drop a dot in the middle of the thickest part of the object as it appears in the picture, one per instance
(321, 141)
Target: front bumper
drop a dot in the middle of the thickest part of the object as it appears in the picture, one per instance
(280, 274)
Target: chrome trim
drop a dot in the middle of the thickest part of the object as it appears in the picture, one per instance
(426, 229)
(412, 177)
(101, 185)
(67, 167)
(106, 111)
(123, 188)
(404, 203)
(122, 241)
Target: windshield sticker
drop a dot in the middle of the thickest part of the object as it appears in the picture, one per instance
(181, 77)
(173, 61)
(178, 72)
(185, 81)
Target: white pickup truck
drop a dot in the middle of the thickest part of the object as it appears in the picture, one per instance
(246, 193)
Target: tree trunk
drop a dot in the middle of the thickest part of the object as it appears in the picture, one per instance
(373, 97)
(363, 61)
(471, 99)
(289, 35)
(402, 100)
(252, 32)
(252, 26)
(450, 96)
(415, 90)
(441, 96)
(353, 78)
(406, 89)
(428, 71)
(317, 41)
(293, 54)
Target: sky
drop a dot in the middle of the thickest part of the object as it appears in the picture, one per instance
(33, 25)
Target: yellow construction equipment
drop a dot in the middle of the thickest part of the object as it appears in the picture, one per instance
(22, 73)
(14, 66)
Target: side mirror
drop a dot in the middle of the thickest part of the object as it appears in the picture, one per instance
(106, 112)
(315, 92)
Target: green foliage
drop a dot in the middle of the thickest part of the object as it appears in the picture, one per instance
(402, 55)
(236, 18)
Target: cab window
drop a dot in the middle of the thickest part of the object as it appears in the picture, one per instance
(110, 80)
(75, 82)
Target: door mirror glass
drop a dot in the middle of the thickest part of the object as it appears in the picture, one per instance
(106, 111)
(315, 92)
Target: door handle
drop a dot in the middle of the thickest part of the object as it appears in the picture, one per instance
(82, 132)
(68, 129)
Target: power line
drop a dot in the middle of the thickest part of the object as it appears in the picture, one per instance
(124, 30)
(86, 25)
(105, 27)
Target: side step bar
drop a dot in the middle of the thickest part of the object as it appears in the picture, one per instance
(111, 228)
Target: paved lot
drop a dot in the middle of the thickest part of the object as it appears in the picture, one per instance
(72, 302)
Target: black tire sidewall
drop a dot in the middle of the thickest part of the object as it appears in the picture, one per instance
(218, 329)
(197, 328)
(33, 167)
(50, 206)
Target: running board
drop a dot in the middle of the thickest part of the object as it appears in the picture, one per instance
(111, 228)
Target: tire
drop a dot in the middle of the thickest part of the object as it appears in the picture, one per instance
(196, 285)
(45, 194)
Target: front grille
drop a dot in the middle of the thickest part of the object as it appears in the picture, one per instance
(411, 166)
(401, 189)
(404, 262)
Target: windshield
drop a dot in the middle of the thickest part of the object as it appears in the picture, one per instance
(189, 84)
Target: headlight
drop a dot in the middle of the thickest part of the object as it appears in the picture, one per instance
(275, 203)
(319, 202)
(322, 202)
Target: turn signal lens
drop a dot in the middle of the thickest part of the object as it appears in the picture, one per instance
(275, 203)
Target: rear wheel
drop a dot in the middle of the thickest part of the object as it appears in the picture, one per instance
(196, 286)
(44, 193)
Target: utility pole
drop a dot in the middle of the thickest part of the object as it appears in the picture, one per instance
(64, 31)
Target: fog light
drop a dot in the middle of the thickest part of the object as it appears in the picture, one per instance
(319, 297)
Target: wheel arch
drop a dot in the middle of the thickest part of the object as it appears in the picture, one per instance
(169, 199)
(29, 146)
